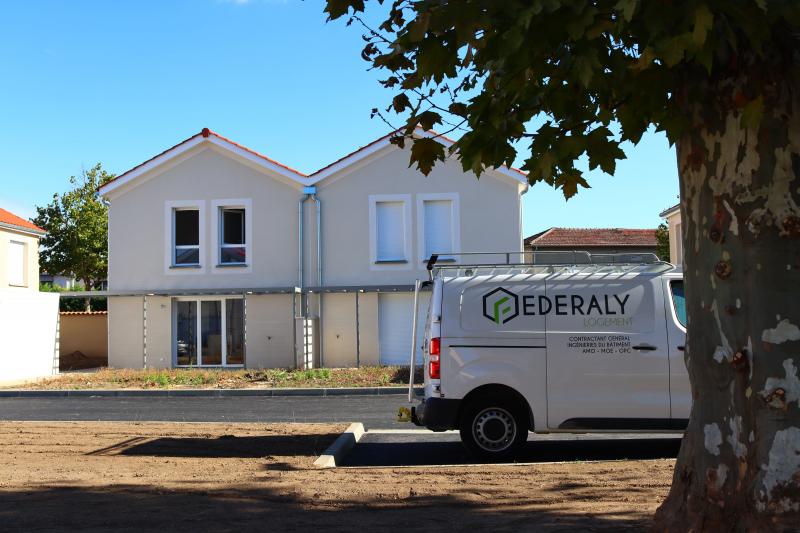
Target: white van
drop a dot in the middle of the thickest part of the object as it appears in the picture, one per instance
(572, 343)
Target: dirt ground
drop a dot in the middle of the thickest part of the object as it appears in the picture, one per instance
(233, 477)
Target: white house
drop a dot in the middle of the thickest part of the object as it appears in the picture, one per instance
(28, 318)
(672, 216)
(220, 256)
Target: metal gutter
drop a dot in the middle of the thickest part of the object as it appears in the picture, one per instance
(231, 292)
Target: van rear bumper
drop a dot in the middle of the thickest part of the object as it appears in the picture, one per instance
(436, 414)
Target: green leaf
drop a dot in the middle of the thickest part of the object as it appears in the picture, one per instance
(703, 21)
(400, 103)
(337, 8)
(568, 182)
(672, 49)
(428, 119)
(425, 152)
(628, 8)
(752, 113)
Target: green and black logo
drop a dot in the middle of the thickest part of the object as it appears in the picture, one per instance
(500, 305)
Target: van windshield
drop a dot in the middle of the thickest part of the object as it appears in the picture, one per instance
(678, 300)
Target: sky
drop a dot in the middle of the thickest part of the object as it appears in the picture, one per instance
(118, 82)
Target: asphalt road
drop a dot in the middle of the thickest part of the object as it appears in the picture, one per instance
(372, 411)
(387, 442)
(419, 448)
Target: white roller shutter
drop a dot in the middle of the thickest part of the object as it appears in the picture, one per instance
(390, 231)
(16, 263)
(438, 226)
(394, 326)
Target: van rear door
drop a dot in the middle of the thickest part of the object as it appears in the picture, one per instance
(607, 358)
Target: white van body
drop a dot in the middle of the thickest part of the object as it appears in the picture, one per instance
(575, 348)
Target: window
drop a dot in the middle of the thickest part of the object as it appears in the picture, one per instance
(438, 228)
(186, 333)
(186, 237)
(209, 332)
(390, 232)
(232, 240)
(678, 300)
(389, 226)
(16, 263)
(232, 232)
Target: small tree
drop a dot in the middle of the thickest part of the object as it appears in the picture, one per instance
(662, 242)
(577, 78)
(76, 221)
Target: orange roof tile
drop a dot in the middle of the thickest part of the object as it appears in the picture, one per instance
(10, 219)
(584, 238)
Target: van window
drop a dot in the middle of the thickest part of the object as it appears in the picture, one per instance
(678, 300)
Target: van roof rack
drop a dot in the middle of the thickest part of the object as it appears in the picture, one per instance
(537, 262)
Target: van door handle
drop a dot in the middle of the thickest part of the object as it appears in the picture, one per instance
(681, 348)
(645, 347)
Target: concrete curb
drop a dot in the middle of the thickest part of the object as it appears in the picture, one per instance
(205, 393)
(341, 446)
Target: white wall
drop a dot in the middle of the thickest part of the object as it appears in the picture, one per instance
(31, 259)
(28, 335)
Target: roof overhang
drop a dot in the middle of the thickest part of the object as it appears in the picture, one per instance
(670, 211)
(22, 229)
(208, 137)
(366, 151)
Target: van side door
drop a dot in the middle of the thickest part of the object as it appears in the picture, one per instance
(607, 354)
(679, 391)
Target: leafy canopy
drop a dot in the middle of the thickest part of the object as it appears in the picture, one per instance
(77, 230)
(572, 78)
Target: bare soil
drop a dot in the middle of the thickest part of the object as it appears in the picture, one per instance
(215, 477)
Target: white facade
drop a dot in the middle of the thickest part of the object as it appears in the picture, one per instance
(672, 216)
(210, 216)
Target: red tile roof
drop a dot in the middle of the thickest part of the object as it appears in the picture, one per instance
(10, 219)
(586, 238)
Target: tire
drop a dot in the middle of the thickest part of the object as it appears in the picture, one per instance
(493, 429)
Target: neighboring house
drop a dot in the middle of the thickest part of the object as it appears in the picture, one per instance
(28, 318)
(19, 252)
(673, 218)
(214, 258)
(593, 240)
(57, 280)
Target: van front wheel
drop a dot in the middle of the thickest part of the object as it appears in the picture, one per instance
(493, 429)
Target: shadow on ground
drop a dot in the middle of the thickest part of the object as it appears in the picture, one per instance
(226, 446)
(136, 508)
(379, 451)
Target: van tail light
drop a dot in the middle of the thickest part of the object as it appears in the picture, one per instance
(433, 358)
(435, 346)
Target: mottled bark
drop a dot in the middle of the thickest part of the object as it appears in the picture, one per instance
(739, 463)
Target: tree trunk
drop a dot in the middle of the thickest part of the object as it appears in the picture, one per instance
(739, 464)
(87, 302)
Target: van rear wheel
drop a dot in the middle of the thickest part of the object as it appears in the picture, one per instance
(493, 429)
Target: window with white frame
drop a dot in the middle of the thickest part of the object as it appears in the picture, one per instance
(232, 231)
(390, 232)
(186, 237)
(16, 263)
(438, 225)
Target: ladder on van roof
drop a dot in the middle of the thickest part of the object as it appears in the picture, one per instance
(545, 262)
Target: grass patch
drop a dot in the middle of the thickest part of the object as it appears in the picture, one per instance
(177, 378)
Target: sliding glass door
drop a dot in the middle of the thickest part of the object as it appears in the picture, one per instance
(209, 332)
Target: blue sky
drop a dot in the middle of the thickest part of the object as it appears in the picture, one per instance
(118, 82)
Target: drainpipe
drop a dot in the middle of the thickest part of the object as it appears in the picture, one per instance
(310, 192)
(318, 206)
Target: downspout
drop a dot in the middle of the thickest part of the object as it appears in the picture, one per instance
(318, 206)
(310, 192)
